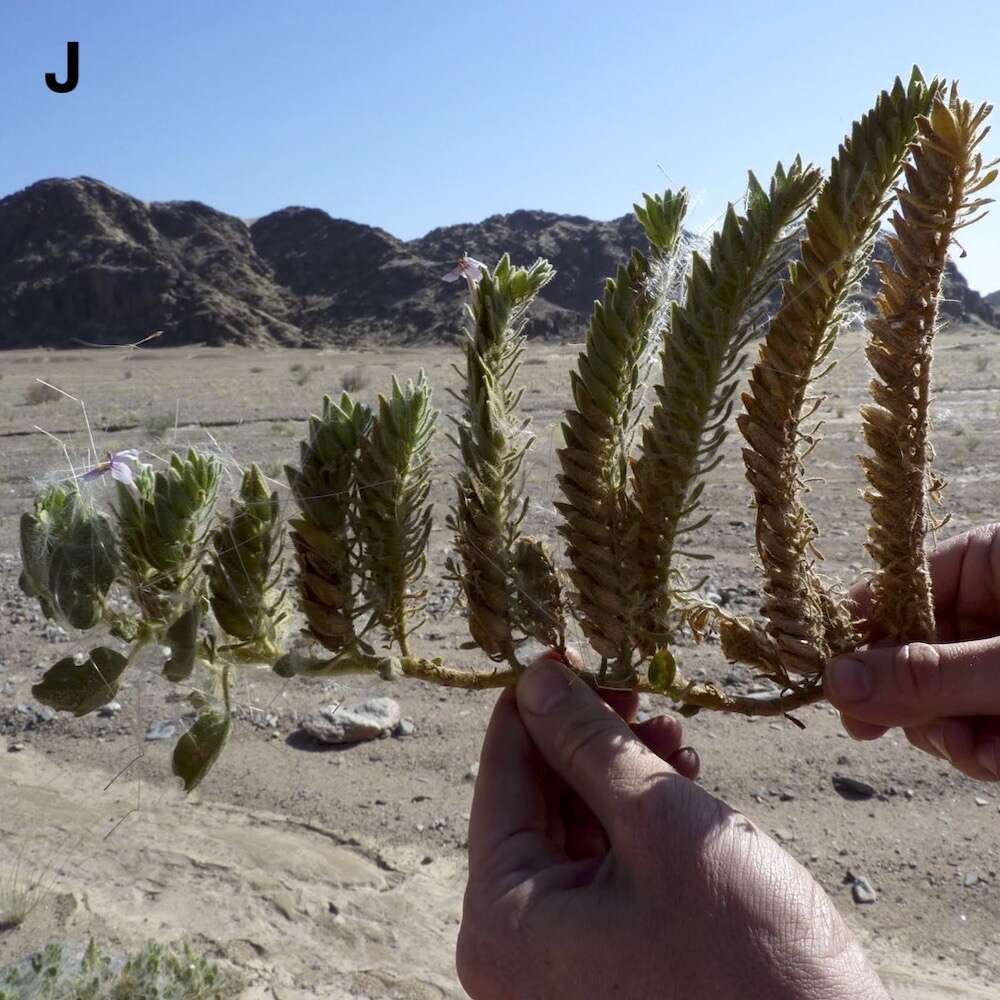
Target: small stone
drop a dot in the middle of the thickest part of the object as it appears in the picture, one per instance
(980, 801)
(264, 720)
(784, 835)
(852, 789)
(472, 773)
(109, 710)
(787, 796)
(863, 891)
(15, 747)
(908, 793)
(36, 713)
(55, 633)
(8, 689)
(164, 729)
(366, 720)
(406, 727)
(970, 879)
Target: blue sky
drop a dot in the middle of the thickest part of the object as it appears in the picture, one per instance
(411, 115)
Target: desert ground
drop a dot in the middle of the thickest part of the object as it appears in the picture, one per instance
(315, 871)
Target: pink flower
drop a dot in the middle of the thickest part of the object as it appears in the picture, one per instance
(117, 465)
(468, 268)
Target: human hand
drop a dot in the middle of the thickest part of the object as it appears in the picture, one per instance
(597, 869)
(946, 695)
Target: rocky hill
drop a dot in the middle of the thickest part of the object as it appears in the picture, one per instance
(993, 300)
(83, 263)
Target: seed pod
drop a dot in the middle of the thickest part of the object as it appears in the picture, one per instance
(943, 193)
(492, 444)
(324, 486)
(393, 515)
(246, 568)
(164, 528)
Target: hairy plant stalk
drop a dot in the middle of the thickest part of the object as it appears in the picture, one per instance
(492, 442)
(324, 488)
(393, 514)
(942, 182)
(245, 571)
(701, 358)
(600, 519)
(804, 618)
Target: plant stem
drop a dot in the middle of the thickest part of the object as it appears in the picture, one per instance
(681, 691)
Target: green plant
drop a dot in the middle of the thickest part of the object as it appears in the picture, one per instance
(22, 887)
(155, 972)
(631, 480)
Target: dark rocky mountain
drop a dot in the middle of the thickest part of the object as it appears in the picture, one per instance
(993, 300)
(82, 262)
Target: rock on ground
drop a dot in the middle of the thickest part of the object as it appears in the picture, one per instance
(366, 720)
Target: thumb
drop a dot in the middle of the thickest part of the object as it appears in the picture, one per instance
(916, 683)
(586, 742)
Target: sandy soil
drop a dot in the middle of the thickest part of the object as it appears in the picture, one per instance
(338, 872)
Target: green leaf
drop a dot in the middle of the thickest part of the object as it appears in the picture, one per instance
(199, 748)
(80, 688)
(182, 638)
(662, 670)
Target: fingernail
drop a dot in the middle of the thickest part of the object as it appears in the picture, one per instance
(935, 736)
(988, 755)
(848, 680)
(543, 686)
(686, 759)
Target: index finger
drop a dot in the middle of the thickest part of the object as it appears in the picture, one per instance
(508, 823)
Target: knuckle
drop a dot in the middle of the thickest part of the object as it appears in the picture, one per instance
(580, 736)
(917, 672)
